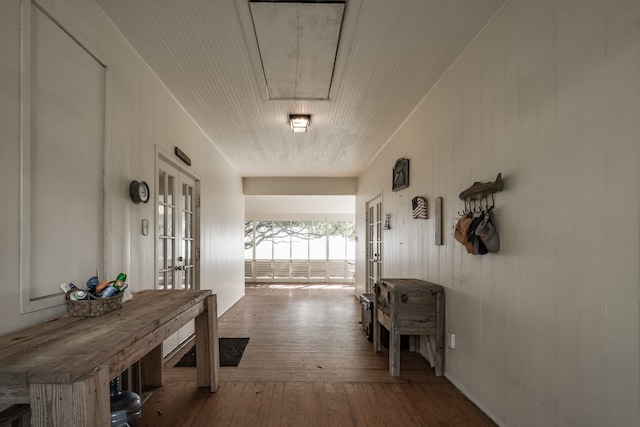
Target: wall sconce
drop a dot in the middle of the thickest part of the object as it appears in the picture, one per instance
(387, 221)
(299, 122)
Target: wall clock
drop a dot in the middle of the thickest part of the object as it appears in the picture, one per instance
(401, 174)
(139, 192)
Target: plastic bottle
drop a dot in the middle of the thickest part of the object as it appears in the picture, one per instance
(109, 291)
(119, 283)
(114, 287)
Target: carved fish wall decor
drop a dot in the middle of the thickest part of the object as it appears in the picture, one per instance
(482, 189)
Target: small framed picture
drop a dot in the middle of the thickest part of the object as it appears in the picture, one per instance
(401, 174)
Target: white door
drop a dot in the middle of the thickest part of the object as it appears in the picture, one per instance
(176, 239)
(177, 228)
(374, 242)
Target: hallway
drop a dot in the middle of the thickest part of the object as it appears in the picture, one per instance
(308, 363)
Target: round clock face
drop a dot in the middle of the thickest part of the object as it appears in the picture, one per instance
(139, 192)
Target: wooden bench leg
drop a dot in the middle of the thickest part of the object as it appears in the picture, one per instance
(376, 325)
(394, 350)
(152, 369)
(84, 403)
(207, 346)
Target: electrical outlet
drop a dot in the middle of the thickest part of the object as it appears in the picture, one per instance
(452, 340)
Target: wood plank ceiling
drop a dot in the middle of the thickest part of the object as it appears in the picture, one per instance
(390, 53)
(298, 43)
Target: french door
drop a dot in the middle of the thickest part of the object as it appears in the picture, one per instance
(374, 242)
(176, 248)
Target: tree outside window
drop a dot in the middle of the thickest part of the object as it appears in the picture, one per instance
(300, 240)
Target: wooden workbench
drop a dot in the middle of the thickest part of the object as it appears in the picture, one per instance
(410, 307)
(62, 368)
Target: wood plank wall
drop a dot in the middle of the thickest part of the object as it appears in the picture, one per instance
(548, 328)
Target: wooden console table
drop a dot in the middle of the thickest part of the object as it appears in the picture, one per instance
(410, 307)
(62, 368)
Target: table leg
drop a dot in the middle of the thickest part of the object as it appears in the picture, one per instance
(440, 307)
(84, 403)
(207, 346)
(394, 337)
(376, 325)
(394, 351)
(152, 369)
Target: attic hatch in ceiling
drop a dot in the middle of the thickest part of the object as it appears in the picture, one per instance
(298, 45)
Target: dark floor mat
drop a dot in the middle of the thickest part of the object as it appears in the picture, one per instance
(231, 350)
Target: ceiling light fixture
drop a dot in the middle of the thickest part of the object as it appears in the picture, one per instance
(299, 122)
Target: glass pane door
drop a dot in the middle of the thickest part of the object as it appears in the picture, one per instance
(374, 242)
(176, 234)
(186, 260)
(166, 243)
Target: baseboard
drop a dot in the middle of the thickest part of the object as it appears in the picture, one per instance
(473, 399)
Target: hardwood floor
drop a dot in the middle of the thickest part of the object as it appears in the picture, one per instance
(308, 363)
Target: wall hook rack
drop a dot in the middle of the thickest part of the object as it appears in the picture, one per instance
(480, 190)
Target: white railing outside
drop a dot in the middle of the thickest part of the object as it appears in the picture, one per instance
(261, 270)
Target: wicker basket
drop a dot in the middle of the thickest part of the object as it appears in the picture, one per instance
(94, 306)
